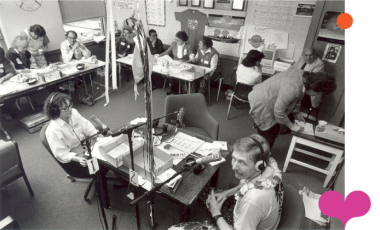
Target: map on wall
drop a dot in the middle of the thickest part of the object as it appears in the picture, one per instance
(273, 12)
(155, 12)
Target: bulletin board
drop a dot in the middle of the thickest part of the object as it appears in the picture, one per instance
(296, 27)
(155, 12)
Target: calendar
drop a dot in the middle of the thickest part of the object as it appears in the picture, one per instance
(186, 143)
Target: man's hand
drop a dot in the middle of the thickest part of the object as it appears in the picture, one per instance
(220, 196)
(214, 206)
(297, 128)
(299, 117)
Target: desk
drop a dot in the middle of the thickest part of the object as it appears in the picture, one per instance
(191, 185)
(173, 72)
(24, 88)
(336, 149)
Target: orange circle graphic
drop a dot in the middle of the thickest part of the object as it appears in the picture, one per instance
(345, 20)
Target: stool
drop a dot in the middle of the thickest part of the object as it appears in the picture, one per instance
(311, 141)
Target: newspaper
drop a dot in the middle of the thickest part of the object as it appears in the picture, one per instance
(312, 211)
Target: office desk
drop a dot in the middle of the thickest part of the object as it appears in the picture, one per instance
(191, 185)
(23, 88)
(172, 72)
(334, 148)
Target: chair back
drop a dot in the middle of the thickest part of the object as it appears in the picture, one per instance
(196, 112)
(74, 169)
(293, 210)
(9, 162)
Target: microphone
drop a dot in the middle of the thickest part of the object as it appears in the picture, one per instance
(180, 116)
(204, 160)
(105, 130)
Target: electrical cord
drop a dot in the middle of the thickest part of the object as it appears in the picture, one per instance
(97, 204)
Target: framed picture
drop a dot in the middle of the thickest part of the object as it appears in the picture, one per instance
(238, 5)
(331, 53)
(305, 10)
(195, 2)
(182, 2)
(329, 30)
(208, 4)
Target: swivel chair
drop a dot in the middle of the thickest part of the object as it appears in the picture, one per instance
(293, 211)
(11, 167)
(73, 169)
(197, 118)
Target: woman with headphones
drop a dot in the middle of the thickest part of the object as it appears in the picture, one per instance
(256, 203)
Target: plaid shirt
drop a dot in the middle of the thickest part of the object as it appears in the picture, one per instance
(272, 100)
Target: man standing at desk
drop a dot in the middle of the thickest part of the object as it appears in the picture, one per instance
(273, 100)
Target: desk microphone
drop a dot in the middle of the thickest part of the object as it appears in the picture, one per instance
(104, 128)
(204, 160)
(180, 116)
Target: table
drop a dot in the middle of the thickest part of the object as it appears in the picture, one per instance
(334, 148)
(173, 72)
(23, 88)
(191, 185)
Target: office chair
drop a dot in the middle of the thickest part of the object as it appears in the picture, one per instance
(197, 118)
(73, 169)
(9, 223)
(11, 167)
(293, 210)
(240, 93)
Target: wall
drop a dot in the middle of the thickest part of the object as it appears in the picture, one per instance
(14, 20)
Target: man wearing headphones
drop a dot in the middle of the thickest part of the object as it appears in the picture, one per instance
(256, 203)
(73, 49)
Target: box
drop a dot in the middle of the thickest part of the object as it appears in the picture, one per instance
(34, 122)
(194, 72)
(162, 160)
(114, 150)
(50, 76)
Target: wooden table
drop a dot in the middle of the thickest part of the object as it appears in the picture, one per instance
(191, 185)
(24, 88)
(156, 69)
(334, 148)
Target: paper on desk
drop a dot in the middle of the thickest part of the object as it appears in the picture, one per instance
(223, 144)
(98, 39)
(177, 154)
(69, 71)
(138, 120)
(207, 148)
(308, 127)
(144, 183)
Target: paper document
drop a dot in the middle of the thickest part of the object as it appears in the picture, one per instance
(208, 148)
(186, 143)
(308, 127)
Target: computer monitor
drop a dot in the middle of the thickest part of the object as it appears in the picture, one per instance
(269, 57)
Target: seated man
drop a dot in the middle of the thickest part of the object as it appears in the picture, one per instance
(207, 56)
(256, 202)
(155, 44)
(125, 43)
(71, 49)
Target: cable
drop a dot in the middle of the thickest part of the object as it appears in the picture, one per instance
(125, 199)
(97, 204)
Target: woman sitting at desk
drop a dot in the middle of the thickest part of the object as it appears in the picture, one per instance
(248, 71)
(19, 55)
(180, 50)
(6, 69)
(125, 43)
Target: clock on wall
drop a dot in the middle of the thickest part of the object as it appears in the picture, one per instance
(28, 5)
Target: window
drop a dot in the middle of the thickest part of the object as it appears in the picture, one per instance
(85, 17)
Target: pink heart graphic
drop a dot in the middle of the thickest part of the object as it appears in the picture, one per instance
(332, 204)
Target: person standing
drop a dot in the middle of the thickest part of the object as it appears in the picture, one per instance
(273, 100)
(38, 45)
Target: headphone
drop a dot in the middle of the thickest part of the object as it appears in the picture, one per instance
(53, 108)
(261, 164)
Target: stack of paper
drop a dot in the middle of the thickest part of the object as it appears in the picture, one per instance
(172, 185)
(308, 127)
(186, 143)
(312, 210)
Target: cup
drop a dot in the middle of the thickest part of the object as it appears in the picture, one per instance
(40, 51)
(191, 57)
(322, 123)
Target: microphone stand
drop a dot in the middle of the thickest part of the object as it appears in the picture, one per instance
(129, 131)
(97, 177)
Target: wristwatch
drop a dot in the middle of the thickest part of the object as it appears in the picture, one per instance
(217, 217)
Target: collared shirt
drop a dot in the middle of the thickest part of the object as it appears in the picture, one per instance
(14, 56)
(248, 75)
(63, 137)
(179, 51)
(214, 59)
(68, 54)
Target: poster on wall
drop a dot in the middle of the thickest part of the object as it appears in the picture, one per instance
(125, 4)
(155, 12)
(330, 31)
(305, 10)
(331, 53)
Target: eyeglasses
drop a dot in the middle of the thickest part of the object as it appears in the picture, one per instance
(67, 109)
(71, 38)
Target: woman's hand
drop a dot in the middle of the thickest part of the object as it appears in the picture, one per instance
(83, 161)
(213, 205)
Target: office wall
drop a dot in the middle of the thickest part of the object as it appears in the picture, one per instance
(14, 20)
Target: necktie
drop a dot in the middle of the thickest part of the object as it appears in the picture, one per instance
(303, 66)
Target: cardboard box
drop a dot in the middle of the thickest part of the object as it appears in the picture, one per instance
(194, 72)
(282, 64)
(114, 150)
(162, 160)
